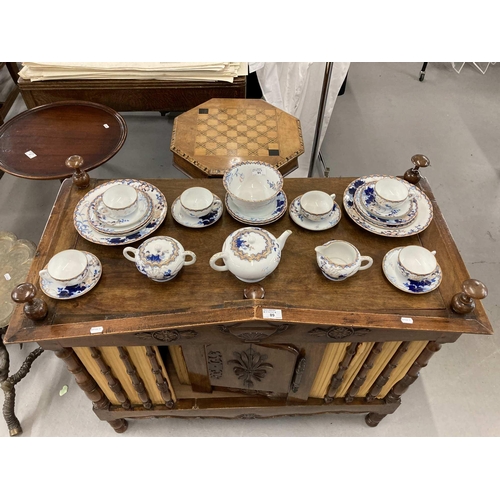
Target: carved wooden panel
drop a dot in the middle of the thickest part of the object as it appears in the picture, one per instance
(254, 333)
(250, 367)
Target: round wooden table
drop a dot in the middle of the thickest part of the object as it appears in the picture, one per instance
(36, 143)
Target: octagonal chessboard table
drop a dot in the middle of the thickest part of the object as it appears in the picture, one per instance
(208, 139)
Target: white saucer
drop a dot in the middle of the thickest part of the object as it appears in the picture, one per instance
(364, 201)
(421, 221)
(408, 207)
(394, 275)
(276, 210)
(304, 222)
(104, 223)
(57, 290)
(87, 231)
(180, 215)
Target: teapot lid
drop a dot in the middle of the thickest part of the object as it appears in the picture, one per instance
(252, 244)
(159, 251)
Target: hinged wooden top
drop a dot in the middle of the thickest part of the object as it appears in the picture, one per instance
(126, 301)
(219, 132)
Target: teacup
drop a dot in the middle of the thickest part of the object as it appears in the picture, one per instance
(316, 205)
(68, 267)
(417, 263)
(199, 201)
(120, 200)
(339, 260)
(390, 192)
(160, 258)
(252, 185)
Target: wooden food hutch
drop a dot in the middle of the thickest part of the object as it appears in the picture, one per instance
(196, 347)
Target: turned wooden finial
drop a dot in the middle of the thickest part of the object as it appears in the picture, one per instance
(463, 302)
(80, 178)
(412, 175)
(25, 293)
(253, 292)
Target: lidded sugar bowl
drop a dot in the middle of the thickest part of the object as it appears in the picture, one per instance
(160, 258)
(250, 253)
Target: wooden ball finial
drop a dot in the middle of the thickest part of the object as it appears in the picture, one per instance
(81, 179)
(464, 301)
(25, 293)
(412, 175)
(254, 292)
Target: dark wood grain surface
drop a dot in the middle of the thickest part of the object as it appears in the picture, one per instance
(57, 131)
(131, 95)
(126, 301)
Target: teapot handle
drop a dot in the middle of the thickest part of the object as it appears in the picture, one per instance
(215, 266)
(131, 250)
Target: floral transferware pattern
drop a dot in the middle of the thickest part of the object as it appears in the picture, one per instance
(57, 290)
(186, 220)
(364, 202)
(421, 221)
(321, 225)
(85, 229)
(252, 245)
(394, 275)
(272, 213)
(104, 223)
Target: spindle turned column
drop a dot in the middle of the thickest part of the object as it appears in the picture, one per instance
(89, 386)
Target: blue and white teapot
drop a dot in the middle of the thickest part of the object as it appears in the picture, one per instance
(250, 253)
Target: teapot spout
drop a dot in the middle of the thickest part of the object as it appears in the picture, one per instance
(282, 239)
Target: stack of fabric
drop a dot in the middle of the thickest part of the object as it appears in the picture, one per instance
(198, 71)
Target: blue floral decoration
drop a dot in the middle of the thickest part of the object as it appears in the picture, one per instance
(370, 195)
(355, 186)
(69, 291)
(418, 286)
(206, 220)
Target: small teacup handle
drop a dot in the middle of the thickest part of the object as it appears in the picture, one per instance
(332, 196)
(131, 250)
(215, 258)
(189, 254)
(366, 266)
(44, 274)
(216, 204)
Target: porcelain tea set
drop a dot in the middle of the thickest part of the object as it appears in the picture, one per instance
(124, 211)
(254, 193)
(70, 274)
(388, 206)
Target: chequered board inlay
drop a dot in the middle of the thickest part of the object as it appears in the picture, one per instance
(236, 132)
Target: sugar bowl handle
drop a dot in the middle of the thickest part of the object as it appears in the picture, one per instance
(25, 293)
(126, 254)
(463, 302)
(187, 253)
(81, 179)
(412, 175)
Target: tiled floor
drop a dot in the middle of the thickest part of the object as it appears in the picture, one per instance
(385, 116)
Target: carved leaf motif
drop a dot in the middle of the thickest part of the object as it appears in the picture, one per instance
(338, 332)
(253, 336)
(167, 335)
(250, 365)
